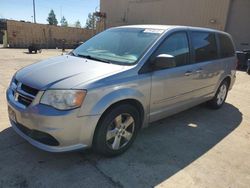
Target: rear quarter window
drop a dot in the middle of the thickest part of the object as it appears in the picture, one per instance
(226, 46)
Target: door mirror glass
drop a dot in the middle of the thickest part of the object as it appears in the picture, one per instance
(164, 61)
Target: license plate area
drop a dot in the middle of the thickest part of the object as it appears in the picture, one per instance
(12, 114)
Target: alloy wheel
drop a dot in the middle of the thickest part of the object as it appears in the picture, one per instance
(222, 94)
(120, 131)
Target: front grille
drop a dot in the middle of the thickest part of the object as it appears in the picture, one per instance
(23, 94)
(39, 136)
(23, 100)
(29, 90)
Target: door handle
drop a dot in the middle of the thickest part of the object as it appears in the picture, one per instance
(200, 70)
(188, 73)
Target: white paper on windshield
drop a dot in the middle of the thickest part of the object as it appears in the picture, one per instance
(158, 31)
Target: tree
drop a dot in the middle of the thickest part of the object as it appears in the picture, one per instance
(52, 18)
(64, 22)
(78, 24)
(91, 21)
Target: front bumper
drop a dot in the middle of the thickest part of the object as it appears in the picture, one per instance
(71, 131)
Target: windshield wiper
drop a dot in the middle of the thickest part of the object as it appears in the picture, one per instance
(94, 58)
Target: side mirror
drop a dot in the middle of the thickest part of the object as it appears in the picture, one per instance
(164, 61)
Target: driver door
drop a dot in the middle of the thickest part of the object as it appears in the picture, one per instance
(173, 88)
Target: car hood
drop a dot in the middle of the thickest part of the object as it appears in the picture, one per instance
(64, 72)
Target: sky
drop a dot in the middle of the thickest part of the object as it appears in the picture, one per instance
(72, 10)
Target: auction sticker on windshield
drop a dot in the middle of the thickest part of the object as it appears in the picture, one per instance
(159, 31)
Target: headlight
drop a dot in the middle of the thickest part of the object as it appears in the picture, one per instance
(63, 99)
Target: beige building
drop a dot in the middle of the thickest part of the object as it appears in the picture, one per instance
(232, 16)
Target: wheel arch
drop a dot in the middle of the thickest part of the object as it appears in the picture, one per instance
(227, 78)
(133, 102)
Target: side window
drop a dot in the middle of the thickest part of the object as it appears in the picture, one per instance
(205, 47)
(226, 46)
(177, 46)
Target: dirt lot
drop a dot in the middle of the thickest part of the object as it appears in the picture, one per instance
(196, 148)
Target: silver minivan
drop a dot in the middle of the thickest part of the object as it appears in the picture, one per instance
(102, 93)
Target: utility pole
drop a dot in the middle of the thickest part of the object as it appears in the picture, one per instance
(34, 10)
(61, 12)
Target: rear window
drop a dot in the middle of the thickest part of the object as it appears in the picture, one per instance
(226, 46)
(205, 46)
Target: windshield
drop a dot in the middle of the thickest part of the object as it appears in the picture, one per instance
(119, 46)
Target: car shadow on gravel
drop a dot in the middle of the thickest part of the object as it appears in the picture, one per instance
(160, 151)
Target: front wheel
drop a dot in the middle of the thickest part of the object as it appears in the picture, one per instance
(220, 96)
(117, 130)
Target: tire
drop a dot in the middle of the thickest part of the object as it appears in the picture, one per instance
(116, 130)
(220, 96)
(35, 51)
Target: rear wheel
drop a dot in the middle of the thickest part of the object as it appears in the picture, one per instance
(220, 96)
(117, 130)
